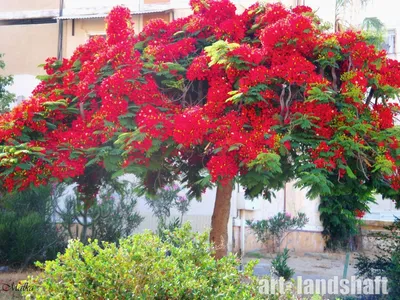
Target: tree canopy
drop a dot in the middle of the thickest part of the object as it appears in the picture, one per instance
(264, 96)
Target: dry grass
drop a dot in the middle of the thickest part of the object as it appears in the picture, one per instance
(9, 281)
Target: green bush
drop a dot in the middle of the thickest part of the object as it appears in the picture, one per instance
(393, 275)
(280, 267)
(144, 267)
(161, 204)
(27, 233)
(277, 227)
(340, 222)
(112, 217)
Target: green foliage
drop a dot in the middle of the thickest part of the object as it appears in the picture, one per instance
(386, 262)
(27, 233)
(263, 180)
(393, 275)
(280, 267)
(269, 161)
(277, 227)
(337, 214)
(6, 98)
(217, 51)
(112, 217)
(144, 267)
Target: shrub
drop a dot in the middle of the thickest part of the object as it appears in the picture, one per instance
(277, 227)
(112, 217)
(6, 98)
(144, 267)
(280, 267)
(27, 232)
(387, 262)
(161, 204)
(340, 218)
(393, 275)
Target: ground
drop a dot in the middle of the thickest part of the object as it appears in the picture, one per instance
(308, 265)
(8, 282)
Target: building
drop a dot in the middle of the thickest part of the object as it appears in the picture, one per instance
(32, 31)
(29, 34)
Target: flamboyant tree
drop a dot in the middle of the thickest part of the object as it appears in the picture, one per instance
(260, 97)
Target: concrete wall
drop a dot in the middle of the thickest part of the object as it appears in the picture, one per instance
(156, 1)
(24, 5)
(300, 242)
(370, 228)
(27, 46)
(71, 4)
(84, 28)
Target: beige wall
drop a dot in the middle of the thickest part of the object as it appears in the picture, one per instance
(23, 5)
(297, 241)
(156, 1)
(27, 46)
(83, 29)
(148, 17)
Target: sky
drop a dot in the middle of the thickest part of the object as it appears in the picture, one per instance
(386, 10)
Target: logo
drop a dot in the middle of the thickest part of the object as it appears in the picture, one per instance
(14, 287)
(333, 286)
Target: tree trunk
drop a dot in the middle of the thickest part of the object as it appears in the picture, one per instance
(220, 218)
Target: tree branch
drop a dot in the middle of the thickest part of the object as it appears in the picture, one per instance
(288, 101)
(334, 79)
(370, 95)
(282, 101)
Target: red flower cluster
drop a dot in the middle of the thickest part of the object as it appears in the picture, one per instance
(359, 214)
(277, 85)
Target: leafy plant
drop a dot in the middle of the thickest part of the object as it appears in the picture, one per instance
(280, 267)
(393, 275)
(27, 231)
(6, 98)
(277, 227)
(161, 204)
(110, 218)
(140, 268)
(339, 218)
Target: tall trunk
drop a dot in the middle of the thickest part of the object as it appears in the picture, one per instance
(220, 218)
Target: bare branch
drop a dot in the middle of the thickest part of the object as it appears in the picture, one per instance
(288, 101)
(370, 95)
(282, 101)
(334, 79)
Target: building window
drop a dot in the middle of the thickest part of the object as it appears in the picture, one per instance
(90, 35)
(390, 44)
(93, 35)
(148, 17)
(28, 21)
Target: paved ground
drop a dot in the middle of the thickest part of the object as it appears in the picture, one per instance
(308, 265)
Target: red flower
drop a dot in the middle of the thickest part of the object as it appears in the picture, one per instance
(359, 214)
